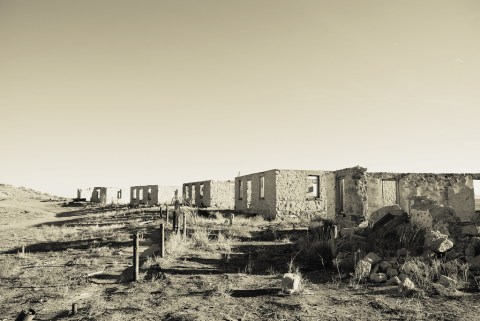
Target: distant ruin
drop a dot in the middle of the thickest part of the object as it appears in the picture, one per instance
(218, 194)
(153, 194)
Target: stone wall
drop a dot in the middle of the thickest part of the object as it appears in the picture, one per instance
(219, 194)
(251, 202)
(152, 194)
(292, 200)
(285, 194)
(454, 190)
(109, 195)
(355, 200)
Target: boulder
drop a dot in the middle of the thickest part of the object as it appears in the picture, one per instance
(437, 241)
(381, 212)
(394, 281)
(378, 277)
(375, 268)
(447, 282)
(290, 283)
(372, 258)
(471, 230)
(363, 269)
(441, 245)
(406, 285)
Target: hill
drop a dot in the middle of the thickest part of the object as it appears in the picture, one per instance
(21, 206)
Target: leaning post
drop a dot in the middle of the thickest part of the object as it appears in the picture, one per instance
(162, 240)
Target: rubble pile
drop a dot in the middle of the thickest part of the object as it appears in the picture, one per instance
(438, 233)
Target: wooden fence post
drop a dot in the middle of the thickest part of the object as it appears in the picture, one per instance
(166, 214)
(74, 308)
(136, 267)
(184, 231)
(232, 218)
(162, 241)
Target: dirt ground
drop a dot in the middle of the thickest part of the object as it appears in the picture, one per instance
(53, 256)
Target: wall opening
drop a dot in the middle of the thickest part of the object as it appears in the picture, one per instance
(119, 194)
(140, 194)
(476, 192)
(134, 193)
(313, 186)
(201, 190)
(149, 195)
(98, 193)
(341, 195)
(240, 190)
(262, 187)
(389, 192)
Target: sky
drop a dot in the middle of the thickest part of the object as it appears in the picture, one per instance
(121, 93)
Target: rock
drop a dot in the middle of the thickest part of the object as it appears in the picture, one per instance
(474, 262)
(441, 245)
(402, 277)
(394, 281)
(364, 224)
(470, 251)
(363, 269)
(471, 230)
(385, 265)
(378, 277)
(437, 241)
(381, 212)
(401, 260)
(372, 258)
(290, 283)
(406, 285)
(392, 272)
(432, 236)
(447, 282)
(375, 269)
(402, 252)
(452, 255)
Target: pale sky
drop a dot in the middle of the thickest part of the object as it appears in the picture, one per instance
(120, 93)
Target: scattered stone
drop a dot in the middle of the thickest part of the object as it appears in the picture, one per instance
(363, 269)
(394, 281)
(402, 252)
(441, 245)
(375, 269)
(406, 285)
(447, 282)
(401, 260)
(290, 283)
(452, 255)
(471, 230)
(392, 272)
(372, 258)
(385, 265)
(378, 277)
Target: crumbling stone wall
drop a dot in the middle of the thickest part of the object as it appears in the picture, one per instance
(251, 202)
(285, 194)
(355, 199)
(291, 198)
(109, 195)
(219, 194)
(152, 194)
(455, 190)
